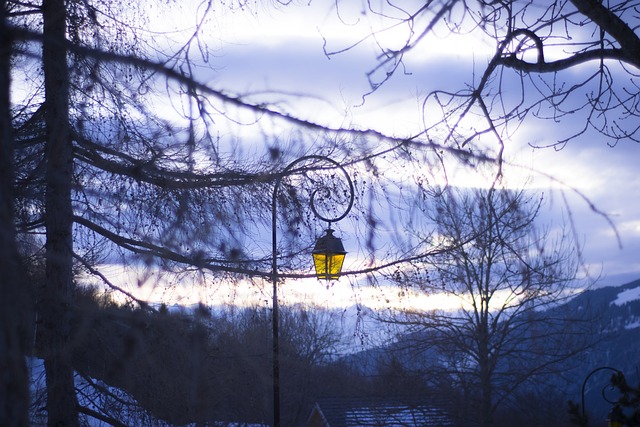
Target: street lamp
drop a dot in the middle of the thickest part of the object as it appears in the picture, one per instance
(328, 255)
(615, 418)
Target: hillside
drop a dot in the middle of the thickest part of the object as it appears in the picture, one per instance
(613, 315)
(154, 359)
(617, 321)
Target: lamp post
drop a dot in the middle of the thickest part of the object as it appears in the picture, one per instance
(615, 417)
(328, 256)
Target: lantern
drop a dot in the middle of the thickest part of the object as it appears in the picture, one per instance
(328, 256)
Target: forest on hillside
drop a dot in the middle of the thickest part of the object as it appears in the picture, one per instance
(199, 367)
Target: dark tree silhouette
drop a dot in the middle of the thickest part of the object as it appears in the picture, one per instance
(574, 63)
(504, 276)
(102, 174)
(14, 398)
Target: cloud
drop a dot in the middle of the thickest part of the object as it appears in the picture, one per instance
(277, 55)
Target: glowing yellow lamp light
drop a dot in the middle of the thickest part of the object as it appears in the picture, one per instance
(328, 256)
(616, 417)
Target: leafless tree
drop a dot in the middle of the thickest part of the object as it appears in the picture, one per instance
(570, 62)
(13, 293)
(505, 278)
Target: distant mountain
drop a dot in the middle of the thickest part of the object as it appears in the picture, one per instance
(617, 320)
(614, 313)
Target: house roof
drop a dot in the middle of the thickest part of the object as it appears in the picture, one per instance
(379, 412)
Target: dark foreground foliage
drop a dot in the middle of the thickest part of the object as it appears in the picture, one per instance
(194, 367)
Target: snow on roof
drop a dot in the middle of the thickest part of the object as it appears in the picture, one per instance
(379, 412)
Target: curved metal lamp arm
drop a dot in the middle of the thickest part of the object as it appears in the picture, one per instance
(584, 383)
(334, 164)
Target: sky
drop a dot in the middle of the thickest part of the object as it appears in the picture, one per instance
(283, 50)
(267, 51)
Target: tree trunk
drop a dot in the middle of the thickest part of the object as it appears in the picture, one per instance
(484, 366)
(14, 394)
(62, 405)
